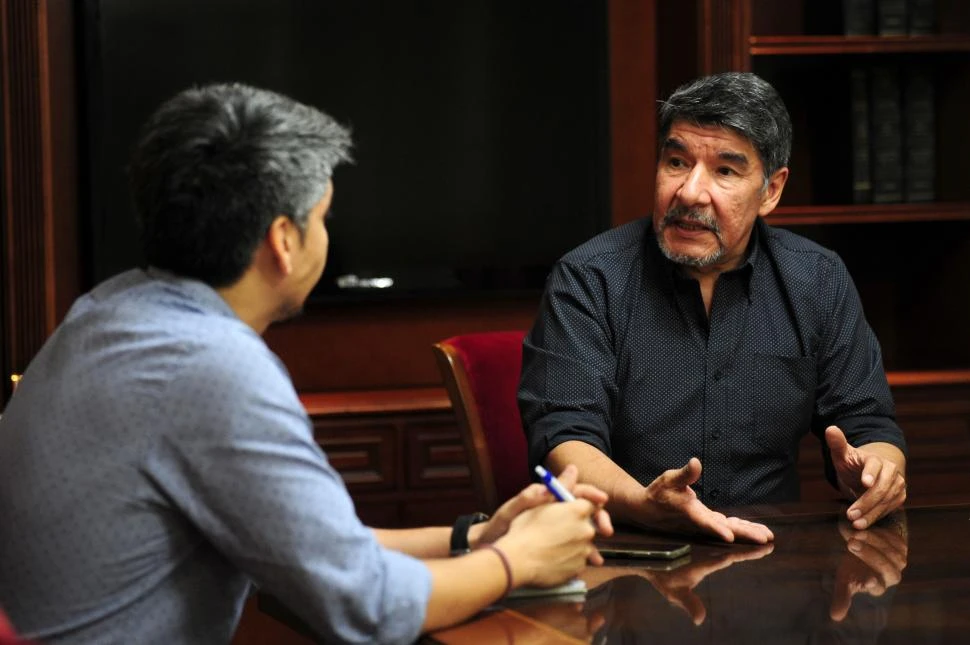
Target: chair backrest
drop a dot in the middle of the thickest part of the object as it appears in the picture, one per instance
(7, 634)
(481, 374)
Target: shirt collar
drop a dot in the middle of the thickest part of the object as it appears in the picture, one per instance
(673, 273)
(195, 290)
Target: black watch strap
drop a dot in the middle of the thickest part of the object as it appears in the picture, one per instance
(459, 532)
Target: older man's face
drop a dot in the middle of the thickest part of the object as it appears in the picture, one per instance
(710, 191)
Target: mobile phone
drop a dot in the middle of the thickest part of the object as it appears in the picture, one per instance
(649, 565)
(666, 551)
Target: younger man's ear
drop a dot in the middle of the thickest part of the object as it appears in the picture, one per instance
(280, 242)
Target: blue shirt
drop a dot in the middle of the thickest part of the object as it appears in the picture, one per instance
(623, 356)
(154, 461)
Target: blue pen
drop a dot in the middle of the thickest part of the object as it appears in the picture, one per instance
(557, 489)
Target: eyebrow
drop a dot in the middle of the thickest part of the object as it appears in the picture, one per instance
(676, 145)
(672, 143)
(736, 158)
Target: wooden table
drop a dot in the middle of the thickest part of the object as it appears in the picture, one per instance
(905, 581)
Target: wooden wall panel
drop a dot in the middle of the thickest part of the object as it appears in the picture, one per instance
(39, 275)
(23, 185)
(388, 345)
(399, 453)
(633, 98)
(385, 345)
(936, 421)
(329, 349)
(723, 25)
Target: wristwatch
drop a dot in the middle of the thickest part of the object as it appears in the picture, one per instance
(459, 532)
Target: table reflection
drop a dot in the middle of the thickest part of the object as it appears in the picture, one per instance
(836, 585)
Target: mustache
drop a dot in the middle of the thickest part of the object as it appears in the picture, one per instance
(692, 215)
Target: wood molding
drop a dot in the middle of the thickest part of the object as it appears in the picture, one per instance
(330, 404)
(435, 399)
(809, 214)
(40, 271)
(23, 184)
(928, 378)
(633, 95)
(802, 45)
(724, 25)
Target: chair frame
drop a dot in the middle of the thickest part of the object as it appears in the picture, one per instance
(469, 423)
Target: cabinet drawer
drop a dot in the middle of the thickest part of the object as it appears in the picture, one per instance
(435, 455)
(363, 454)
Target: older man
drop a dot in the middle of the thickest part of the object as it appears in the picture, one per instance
(705, 336)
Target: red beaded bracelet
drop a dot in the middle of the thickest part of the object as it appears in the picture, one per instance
(506, 565)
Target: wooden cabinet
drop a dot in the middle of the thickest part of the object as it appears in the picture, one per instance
(934, 411)
(404, 464)
(398, 451)
(937, 423)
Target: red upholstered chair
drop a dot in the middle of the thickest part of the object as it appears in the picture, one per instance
(481, 374)
(7, 634)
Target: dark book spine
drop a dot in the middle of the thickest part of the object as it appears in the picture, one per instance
(859, 17)
(891, 17)
(919, 135)
(885, 144)
(859, 98)
(922, 17)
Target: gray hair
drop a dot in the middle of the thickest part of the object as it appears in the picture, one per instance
(215, 165)
(741, 101)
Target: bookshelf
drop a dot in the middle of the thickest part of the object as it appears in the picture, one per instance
(808, 45)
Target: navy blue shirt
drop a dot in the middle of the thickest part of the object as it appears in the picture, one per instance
(624, 357)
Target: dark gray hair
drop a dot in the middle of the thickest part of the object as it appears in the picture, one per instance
(741, 101)
(215, 165)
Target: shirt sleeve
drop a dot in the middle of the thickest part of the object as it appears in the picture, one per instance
(239, 461)
(568, 383)
(852, 390)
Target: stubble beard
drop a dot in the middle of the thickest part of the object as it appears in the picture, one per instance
(288, 311)
(684, 214)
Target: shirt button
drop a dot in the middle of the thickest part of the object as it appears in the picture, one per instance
(714, 494)
(715, 434)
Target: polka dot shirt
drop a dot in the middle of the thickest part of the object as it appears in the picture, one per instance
(624, 357)
(155, 461)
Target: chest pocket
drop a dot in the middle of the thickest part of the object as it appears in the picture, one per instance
(780, 400)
